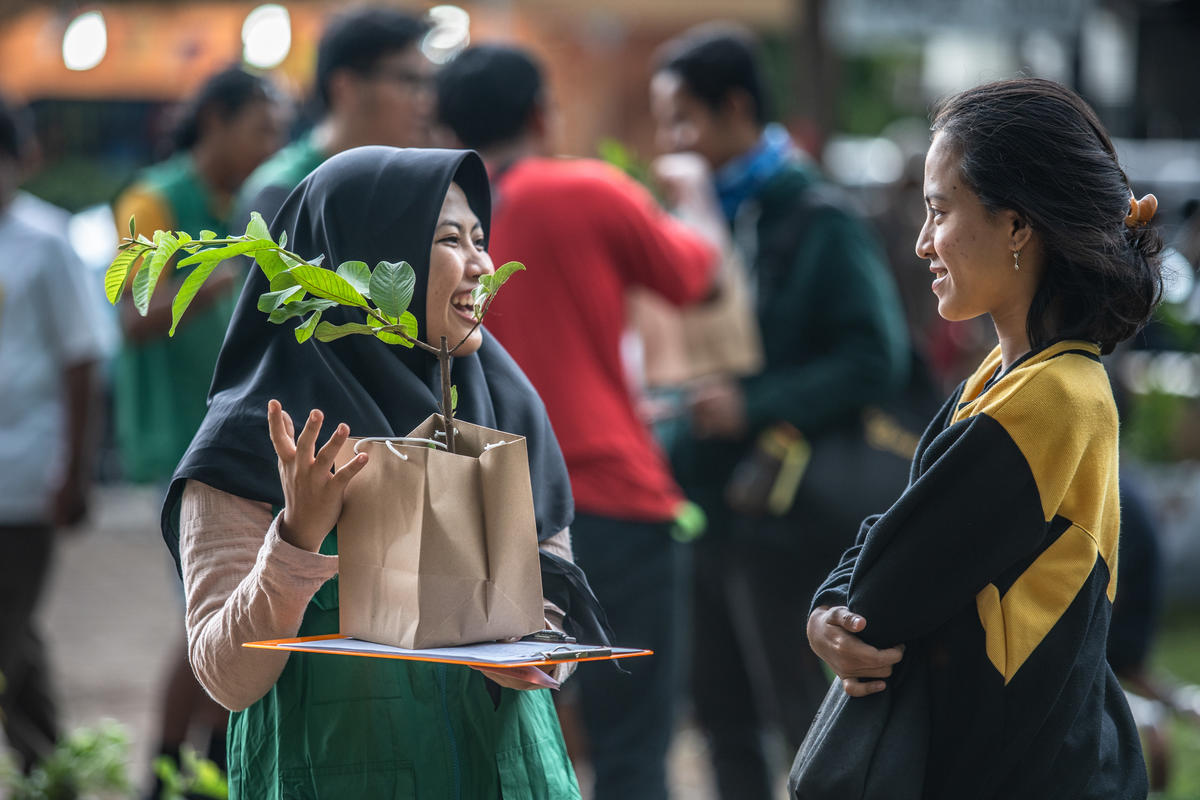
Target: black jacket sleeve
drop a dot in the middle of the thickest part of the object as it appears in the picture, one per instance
(973, 511)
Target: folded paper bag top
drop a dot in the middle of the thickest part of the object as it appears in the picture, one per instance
(438, 549)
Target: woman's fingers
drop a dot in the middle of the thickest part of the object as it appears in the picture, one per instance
(328, 453)
(833, 634)
(857, 658)
(857, 688)
(350, 469)
(285, 448)
(521, 678)
(892, 655)
(847, 619)
(307, 440)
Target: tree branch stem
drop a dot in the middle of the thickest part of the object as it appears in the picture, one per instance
(447, 404)
(474, 327)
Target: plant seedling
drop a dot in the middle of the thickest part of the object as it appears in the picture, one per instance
(299, 287)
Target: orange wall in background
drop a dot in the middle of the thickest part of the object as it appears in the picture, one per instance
(155, 52)
(597, 53)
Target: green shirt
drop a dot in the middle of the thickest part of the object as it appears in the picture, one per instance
(269, 185)
(161, 386)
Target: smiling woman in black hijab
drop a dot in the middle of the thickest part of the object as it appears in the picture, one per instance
(311, 725)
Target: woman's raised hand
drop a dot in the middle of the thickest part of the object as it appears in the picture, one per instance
(312, 491)
(833, 635)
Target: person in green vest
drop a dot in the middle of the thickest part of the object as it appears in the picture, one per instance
(373, 86)
(232, 125)
(160, 383)
(252, 520)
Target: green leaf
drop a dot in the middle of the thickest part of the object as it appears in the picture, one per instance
(479, 300)
(283, 238)
(392, 287)
(493, 282)
(393, 338)
(224, 252)
(257, 228)
(132, 231)
(144, 285)
(142, 289)
(283, 280)
(269, 262)
(299, 308)
(453, 399)
(206, 234)
(407, 323)
(489, 286)
(309, 325)
(291, 262)
(328, 284)
(358, 274)
(327, 331)
(187, 292)
(118, 271)
(269, 301)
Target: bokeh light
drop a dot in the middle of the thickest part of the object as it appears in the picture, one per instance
(266, 36)
(85, 41)
(449, 35)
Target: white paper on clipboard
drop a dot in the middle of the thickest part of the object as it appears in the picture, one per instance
(496, 654)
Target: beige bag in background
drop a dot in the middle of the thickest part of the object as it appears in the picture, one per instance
(717, 338)
(439, 549)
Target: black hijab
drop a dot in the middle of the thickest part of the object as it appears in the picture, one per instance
(372, 204)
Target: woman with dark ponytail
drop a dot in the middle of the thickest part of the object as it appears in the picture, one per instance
(970, 619)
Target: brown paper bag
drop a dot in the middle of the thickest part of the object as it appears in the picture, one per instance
(439, 549)
(718, 338)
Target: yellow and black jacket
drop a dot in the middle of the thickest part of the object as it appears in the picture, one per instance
(997, 568)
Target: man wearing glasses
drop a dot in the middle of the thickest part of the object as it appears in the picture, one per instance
(374, 86)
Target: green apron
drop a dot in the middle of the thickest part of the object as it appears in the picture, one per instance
(161, 386)
(350, 727)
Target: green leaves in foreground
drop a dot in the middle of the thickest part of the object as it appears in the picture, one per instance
(298, 287)
(392, 287)
(489, 285)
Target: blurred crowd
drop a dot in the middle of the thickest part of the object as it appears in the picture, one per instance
(737, 366)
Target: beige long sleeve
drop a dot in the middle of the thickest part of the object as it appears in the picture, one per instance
(244, 585)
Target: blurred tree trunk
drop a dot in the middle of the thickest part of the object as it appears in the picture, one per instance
(816, 76)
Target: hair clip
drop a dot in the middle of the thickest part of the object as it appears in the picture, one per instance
(1141, 211)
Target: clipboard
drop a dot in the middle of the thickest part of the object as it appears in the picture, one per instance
(489, 655)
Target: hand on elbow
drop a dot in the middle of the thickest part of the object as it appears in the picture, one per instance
(833, 636)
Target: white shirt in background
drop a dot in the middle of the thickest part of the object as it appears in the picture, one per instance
(46, 325)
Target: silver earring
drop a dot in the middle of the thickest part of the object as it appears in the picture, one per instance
(1016, 259)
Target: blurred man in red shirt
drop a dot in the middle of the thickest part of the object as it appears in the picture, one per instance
(588, 234)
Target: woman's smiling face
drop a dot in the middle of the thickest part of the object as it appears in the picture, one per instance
(456, 261)
(970, 251)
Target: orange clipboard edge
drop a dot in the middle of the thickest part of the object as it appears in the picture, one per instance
(296, 645)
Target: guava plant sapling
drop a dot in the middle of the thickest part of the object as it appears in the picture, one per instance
(299, 287)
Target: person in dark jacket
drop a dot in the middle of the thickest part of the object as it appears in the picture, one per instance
(990, 581)
(834, 342)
